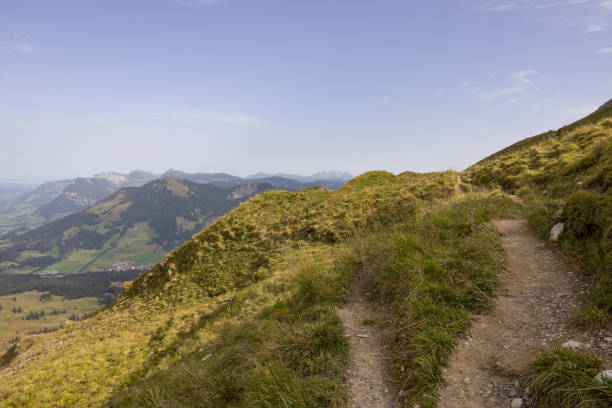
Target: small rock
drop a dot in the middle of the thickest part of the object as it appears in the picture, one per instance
(604, 375)
(516, 384)
(513, 393)
(556, 231)
(608, 338)
(363, 336)
(206, 357)
(403, 393)
(516, 403)
(573, 344)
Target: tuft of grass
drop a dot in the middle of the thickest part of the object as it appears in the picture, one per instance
(589, 318)
(566, 378)
(368, 322)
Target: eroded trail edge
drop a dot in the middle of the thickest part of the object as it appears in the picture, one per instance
(366, 372)
(537, 293)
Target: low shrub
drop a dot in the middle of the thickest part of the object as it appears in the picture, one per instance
(567, 378)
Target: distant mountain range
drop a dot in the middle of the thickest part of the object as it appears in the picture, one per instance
(134, 224)
(323, 175)
(56, 199)
(12, 190)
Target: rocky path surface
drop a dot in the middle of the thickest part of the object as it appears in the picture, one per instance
(537, 293)
(366, 373)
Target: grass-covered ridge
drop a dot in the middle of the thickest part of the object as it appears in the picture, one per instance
(433, 267)
(566, 176)
(274, 266)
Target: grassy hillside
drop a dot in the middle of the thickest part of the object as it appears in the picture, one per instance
(80, 194)
(565, 177)
(137, 224)
(20, 211)
(244, 313)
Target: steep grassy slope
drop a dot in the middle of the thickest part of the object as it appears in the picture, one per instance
(138, 224)
(243, 314)
(566, 177)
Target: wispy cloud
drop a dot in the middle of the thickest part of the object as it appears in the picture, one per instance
(22, 48)
(382, 100)
(592, 28)
(496, 6)
(507, 5)
(606, 5)
(605, 50)
(196, 3)
(524, 76)
(521, 81)
(468, 87)
(186, 113)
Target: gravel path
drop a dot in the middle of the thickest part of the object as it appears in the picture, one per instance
(537, 293)
(366, 373)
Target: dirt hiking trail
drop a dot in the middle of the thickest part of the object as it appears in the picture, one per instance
(366, 372)
(536, 295)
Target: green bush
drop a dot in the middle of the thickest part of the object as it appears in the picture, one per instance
(566, 378)
(585, 216)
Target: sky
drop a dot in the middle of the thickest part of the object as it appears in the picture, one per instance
(243, 86)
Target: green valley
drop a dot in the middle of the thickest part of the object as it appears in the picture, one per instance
(136, 224)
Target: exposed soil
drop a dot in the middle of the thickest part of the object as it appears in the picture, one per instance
(366, 373)
(538, 291)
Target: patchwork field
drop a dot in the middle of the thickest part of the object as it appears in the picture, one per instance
(14, 325)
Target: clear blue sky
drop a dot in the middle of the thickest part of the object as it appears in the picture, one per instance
(294, 86)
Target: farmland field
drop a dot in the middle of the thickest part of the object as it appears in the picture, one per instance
(15, 324)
